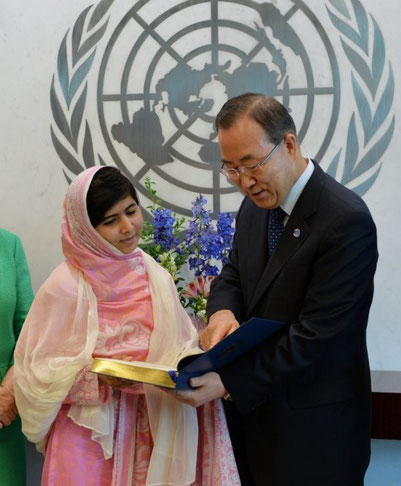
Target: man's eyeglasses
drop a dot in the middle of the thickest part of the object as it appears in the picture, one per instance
(248, 170)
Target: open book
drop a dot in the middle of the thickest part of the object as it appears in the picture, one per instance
(197, 363)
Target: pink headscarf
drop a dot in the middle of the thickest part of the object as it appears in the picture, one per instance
(107, 269)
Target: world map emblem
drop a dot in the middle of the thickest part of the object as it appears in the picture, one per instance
(139, 87)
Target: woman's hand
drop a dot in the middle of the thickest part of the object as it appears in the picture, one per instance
(8, 409)
(115, 382)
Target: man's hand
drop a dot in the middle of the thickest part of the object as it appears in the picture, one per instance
(221, 324)
(208, 387)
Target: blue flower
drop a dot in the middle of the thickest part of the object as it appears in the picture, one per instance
(163, 224)
(203, 246)
(197, 206)
(191, 232)
(225, 226)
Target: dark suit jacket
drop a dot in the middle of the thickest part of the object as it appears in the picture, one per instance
(304, 395)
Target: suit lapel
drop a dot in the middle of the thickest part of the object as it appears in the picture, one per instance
(295, 234)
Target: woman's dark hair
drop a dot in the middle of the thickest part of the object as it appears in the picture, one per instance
(108, 187)
(271, 115)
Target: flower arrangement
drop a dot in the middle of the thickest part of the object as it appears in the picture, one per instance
(198, 246)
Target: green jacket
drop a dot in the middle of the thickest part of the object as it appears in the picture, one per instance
(15, 295)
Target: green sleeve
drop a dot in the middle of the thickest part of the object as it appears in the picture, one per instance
(23, 287)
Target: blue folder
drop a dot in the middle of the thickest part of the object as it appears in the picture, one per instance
(243, 339)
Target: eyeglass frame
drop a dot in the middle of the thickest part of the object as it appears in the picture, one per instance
(235, 172)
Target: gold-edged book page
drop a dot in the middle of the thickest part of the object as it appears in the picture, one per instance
(134, 370)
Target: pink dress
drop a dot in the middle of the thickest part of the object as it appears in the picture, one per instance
(71, 456)
(74, 459)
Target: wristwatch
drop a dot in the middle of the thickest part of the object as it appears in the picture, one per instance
(227, 397)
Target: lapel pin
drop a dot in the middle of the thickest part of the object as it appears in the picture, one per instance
(297, 233)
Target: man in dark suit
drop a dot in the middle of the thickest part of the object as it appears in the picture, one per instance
(301, 399)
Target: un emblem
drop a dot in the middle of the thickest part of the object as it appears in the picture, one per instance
(161, 71)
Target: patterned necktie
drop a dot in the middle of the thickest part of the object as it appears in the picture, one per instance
(276, 226)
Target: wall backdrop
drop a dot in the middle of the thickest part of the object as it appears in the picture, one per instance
(137, 85)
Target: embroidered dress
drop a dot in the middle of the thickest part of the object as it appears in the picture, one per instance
(101, 302)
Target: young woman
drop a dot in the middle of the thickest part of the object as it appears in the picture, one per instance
(109, 299)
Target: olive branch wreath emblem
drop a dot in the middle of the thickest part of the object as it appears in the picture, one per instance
(73, 85)
(369, 65)
(372, 93)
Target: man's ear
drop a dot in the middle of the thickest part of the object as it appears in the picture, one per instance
(291, 143)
